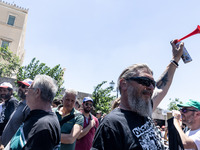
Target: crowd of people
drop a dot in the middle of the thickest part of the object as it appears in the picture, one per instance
(39, 122)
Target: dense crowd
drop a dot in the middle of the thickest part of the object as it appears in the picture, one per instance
(39, 122)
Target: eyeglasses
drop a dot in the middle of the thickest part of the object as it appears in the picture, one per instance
(22, 85)
(143, 80)
(87, 104)
(29, 88)
(185, 110)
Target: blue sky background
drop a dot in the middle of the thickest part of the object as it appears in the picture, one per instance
(96, 39)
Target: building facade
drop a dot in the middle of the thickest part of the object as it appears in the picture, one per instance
(13, 20)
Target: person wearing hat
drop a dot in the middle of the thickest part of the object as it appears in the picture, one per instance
(189, 114)
(9, 105)
(41, 129)
(85, 139)
(19, 115)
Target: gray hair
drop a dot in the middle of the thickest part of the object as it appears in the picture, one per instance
(132, 71)
(47, 85)
(71, 91)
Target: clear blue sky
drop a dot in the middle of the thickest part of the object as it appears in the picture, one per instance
(96, 39)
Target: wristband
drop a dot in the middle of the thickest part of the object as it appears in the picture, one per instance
(174, 63)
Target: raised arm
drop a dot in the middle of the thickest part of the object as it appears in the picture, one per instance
(164, 82)
(188, 143)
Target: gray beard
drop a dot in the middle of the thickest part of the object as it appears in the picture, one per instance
(137, 104)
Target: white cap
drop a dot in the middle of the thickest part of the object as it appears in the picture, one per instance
(6, 85)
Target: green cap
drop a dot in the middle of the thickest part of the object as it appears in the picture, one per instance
(191, 103)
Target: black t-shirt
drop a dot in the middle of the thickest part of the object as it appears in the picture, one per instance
(7, 109)
(126, 130)
(41, 130)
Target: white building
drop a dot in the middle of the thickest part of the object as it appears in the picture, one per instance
(13, 21)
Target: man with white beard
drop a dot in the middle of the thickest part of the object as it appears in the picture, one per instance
(130, 126)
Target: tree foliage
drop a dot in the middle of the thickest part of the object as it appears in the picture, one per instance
(102, 97)
(173, 104)
(35, 67)
(9, 62)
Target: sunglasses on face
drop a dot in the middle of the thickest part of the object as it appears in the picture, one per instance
(22, 85)
(143, 80)
(185, 110)
(87, 104)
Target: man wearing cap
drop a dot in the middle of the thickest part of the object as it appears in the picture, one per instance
(85, 139)
(41, 129)
(9, 105)
(71, 120)
(19, 115)
(189, 114)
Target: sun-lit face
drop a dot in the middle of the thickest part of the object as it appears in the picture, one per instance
(188, 116)
(69, 101)
(30, 96)
(5, 93)
(22, 90)
(143, 91)
(87, 106)
(139, 96)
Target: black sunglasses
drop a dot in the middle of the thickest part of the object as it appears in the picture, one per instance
(185, 110)
(143, 80)
(87, 104)
(22, 85)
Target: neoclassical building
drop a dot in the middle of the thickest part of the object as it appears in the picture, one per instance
(13, 21)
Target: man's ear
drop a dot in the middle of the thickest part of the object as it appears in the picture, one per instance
(198, 114)
(37, 91)
(123, 84)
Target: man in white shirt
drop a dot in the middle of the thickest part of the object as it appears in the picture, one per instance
(189, 114)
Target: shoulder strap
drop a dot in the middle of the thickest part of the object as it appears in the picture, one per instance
(65, 119)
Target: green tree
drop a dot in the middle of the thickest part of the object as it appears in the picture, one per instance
(35, 67)
(9, 63)
(173, 104)
(102, 97)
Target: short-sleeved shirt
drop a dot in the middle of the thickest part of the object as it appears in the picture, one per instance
(7, 109)
(126, 130)
(85, 143)
(40, 131)
(67, 126)
(195, 136)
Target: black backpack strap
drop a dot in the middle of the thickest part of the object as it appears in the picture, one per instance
(67, 118)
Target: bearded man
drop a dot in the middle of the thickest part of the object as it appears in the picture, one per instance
(19, 115)
(85, 139)
(189, 114)
(130, 125)
(9, 104)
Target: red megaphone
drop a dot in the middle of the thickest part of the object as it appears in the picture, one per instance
(197, 30)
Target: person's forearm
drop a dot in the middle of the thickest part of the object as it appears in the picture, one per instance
(67, 139)
(84, 132)
(163, 84)
(188, 143)
(70, 138)
(166, 78)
